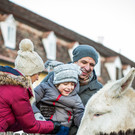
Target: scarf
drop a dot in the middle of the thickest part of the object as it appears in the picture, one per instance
(84, 82)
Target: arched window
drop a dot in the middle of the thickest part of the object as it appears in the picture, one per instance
(8, 28)
(98, 66)
(50, 46)
(71, 50)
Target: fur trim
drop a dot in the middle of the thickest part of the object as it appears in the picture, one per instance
(32, 99)
(10, 79)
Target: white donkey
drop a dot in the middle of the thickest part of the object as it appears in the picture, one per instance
(111, 109)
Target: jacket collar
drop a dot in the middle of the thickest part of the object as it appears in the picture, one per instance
(10, 70)
(11, 76)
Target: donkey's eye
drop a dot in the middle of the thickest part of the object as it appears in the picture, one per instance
(97, 114)
(101, 113)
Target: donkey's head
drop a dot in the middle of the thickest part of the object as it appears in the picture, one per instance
(111, 109)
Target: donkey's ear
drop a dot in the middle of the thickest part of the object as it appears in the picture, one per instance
(128, 79)
(121, 86)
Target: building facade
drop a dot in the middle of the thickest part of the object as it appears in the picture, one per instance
(52, 41)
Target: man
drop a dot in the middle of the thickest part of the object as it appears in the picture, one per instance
(86, 57)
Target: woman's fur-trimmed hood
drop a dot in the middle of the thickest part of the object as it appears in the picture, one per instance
(10, 79)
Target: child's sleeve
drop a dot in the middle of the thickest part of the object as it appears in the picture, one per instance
(39, 94)
(78, 111)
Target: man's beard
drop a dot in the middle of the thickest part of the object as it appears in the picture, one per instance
(85, 80)
(85, 77)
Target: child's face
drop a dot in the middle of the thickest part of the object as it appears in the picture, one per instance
(66, 88)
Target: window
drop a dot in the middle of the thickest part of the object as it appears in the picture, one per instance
(98, 66)
(50, 46)
(126, 69)
(71, 50)
(118, 73)
(8, 28)
(10, 33)
(114, 67)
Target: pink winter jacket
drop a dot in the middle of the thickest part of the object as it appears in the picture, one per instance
(15, 108)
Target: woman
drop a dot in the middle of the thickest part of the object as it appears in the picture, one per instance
(16, 93)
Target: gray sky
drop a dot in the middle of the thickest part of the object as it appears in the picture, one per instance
(114, 20)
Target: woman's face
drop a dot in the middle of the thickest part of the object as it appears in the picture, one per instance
(34, 77)
(66, 88)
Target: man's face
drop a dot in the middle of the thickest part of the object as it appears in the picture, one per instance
(87, 65)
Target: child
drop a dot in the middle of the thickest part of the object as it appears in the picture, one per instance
(61, 92)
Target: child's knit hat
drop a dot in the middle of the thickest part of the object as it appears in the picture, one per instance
(66, 73)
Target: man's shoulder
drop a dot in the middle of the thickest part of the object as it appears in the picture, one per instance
(95, 81)
(95, 84)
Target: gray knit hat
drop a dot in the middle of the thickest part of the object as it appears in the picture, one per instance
(51, 64)
(66, 73)
(84, 51)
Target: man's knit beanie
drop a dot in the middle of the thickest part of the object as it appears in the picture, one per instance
(66, 73)
(85, 51)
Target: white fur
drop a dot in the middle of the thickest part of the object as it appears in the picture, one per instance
(111, 109)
